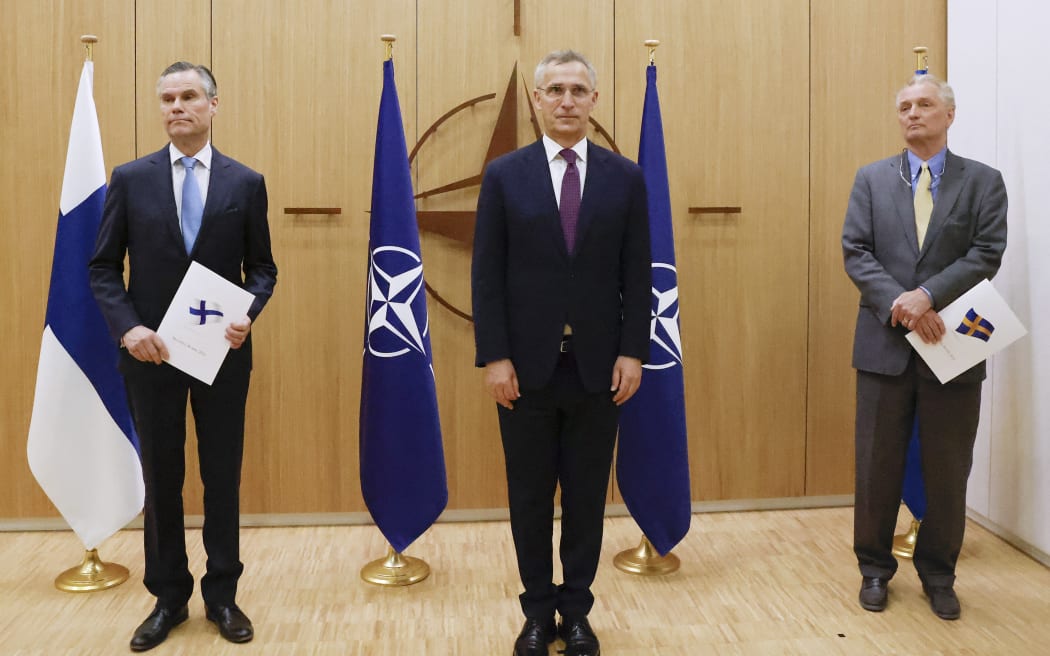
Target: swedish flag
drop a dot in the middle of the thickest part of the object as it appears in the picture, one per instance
(974, 325)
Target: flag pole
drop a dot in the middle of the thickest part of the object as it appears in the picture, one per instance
(396, 569)
(904, 543)
(645, 560)
(92, 574)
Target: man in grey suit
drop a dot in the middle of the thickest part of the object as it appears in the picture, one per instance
(908, 262)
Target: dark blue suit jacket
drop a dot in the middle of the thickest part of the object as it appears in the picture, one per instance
(527, 286)
(140, 219)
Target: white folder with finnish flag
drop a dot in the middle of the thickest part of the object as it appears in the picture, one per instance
(194, 327)
(978, 324)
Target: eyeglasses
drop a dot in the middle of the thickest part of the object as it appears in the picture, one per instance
(557, 91)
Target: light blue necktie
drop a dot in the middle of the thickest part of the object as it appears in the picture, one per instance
(192, 205)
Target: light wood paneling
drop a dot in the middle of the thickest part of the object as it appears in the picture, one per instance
(299, 88)
(774, 583)
(165, 33)
(733, 94)
(856, 72)
(44, 60)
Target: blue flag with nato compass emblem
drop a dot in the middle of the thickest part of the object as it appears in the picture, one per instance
(652, 463)
(402, 461)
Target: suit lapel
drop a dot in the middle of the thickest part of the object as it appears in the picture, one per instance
(903, 199)
(596, 161)
(217, 190)
(947, 193)
(161, 172)
(536, 172)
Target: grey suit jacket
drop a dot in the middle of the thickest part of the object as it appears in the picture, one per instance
(964, 245)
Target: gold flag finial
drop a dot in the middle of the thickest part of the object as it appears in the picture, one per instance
(389, 39)
(88, 40)
(651, 45)
(922, 60)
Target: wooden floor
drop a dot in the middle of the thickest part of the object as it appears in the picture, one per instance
(777, 582)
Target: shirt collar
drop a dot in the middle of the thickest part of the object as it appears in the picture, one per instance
(553, 148)
(203, 155)
(936, 164)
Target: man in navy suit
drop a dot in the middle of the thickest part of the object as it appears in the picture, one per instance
(561, 296)
(144, 218)
(908, 261)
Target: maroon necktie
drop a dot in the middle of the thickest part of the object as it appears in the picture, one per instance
(570, 198)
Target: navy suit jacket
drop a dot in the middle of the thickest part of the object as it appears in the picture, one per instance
(964, 245)
(140, 219)
(527, 286)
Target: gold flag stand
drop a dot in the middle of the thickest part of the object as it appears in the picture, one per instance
(91, 575)
(645, 560)
(395, 570)
(904, 544)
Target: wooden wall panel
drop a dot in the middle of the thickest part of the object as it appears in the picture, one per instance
(299, 96)
(44, 60)
(856, 72)
(165, 33)
(733, 90)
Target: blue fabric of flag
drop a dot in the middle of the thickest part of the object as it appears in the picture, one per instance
(914, 493)
(652, 463)
(74, 316)
(402, 462)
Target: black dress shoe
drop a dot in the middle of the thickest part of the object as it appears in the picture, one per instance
(155, 629)
(943, 601)
(233, 624)
(579, 637)
(534, 637)
(873, 594)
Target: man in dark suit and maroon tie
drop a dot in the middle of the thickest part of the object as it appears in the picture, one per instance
(561, 297)
(186, 202)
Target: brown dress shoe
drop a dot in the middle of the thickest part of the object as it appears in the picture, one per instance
(874, 593)
(155, 629)
(943, 601)
(534, 637)
(579, 637)
(233, 624)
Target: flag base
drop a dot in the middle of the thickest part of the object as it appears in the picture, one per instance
(396, 570)
(904, 544)
(645, 560)
(91, 575)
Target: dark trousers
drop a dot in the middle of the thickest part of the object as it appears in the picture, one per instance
(948, 415)
(558, 434)
(157, 396)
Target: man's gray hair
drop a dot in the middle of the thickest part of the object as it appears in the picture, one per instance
(565, 57)
(211, 89)
(943, 89)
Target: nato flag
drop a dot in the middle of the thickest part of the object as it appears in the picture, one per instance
(652, 464)
(402, 462)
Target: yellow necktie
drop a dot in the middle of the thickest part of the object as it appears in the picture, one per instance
(923, 203)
